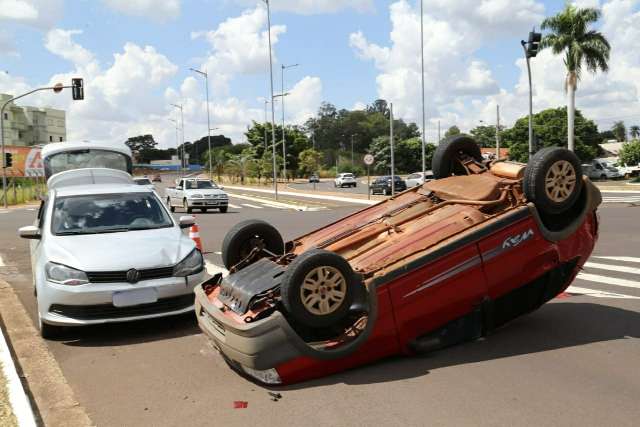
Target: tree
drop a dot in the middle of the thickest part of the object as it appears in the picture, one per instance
(486, 135)
(239, 164)
(219, 158)
(407, 155)
(606, 135)
(620, 131)
(309, 161)
(634, 131)
(630, 153)
(141, 147)
(453, 130)
(570, 35)
(550, 129)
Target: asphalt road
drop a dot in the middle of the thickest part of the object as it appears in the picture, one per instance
(573, 362)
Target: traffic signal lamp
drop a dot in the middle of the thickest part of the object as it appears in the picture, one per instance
(8, 160)
(533, 45)
(77, 89)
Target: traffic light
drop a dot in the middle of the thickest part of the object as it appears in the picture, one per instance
(77, 89)
(8, 160)
(533, 46)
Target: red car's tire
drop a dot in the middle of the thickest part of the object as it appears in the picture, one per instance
(318, 288)
(445, 162)
(245, 236)
(553, 180)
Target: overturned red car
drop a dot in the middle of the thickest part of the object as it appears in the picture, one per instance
(439, 264)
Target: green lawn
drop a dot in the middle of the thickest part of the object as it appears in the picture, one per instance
(6, 415)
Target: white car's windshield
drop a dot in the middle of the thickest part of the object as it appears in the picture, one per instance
(200, 185)
(143, 181)
(107, 213)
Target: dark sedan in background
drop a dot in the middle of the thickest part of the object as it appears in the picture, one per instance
(382, 185)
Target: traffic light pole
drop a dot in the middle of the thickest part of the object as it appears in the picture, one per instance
(4, 166)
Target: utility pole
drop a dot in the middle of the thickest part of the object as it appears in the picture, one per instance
(424, 130)
(175, 125)
(265, 126)
(273, 113)
(206, 85)
(438, 131)
(497, 131)
(284, 144)
(393, 169)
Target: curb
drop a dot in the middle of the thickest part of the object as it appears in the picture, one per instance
(51, 396)
(18, 399)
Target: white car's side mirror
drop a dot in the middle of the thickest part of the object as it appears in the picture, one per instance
(186, 221)
(30, 232)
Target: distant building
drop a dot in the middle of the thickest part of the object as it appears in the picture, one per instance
(27, 126)
(611, 149)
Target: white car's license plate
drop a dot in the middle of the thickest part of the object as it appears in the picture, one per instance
(135, 297)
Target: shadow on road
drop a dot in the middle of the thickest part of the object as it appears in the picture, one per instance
(554, 326)
(131, 332)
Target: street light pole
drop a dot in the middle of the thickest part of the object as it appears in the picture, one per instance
(424, 129)
(531, 49)
(179, 106)
(175, 125)
(266, 143)
(393, 169)
(206, 85)
(273, 114)
(284, 144)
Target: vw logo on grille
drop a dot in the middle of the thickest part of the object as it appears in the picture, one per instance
(133, 276)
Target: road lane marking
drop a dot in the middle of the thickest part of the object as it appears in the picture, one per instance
(274, 204)
(2, 264)
(252, 206)
(309, 196)
(232, 206)
(619, 258)
(609, 280)
(620, 268)
(597, 294)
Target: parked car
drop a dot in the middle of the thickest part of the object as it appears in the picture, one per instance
(601, 169)
(314, 179)
(200, 193)
(437, 265)
(144, 181)
(418, 178)
(628, 171)
(156, 178)
(107, 250)
(382, 185)
(345, 180)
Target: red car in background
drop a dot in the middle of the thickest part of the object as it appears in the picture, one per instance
(439, 264)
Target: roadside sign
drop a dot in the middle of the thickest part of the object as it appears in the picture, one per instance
(368, 160)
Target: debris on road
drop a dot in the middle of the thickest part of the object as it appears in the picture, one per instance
(240, 404)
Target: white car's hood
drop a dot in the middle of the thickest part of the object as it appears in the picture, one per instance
(205, 191)
(140, 249)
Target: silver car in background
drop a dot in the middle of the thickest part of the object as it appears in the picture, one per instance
(418, 178)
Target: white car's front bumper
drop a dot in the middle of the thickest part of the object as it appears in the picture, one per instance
(93, 303)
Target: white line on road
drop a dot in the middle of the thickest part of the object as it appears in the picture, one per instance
(19, 402)
(234, 206)
(619, 258)
(252, 206)
(597, 294)
(609, 280)
(620, 268)
(309, 196)
(274, 204)
(2, 264)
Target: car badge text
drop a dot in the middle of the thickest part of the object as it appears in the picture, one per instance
(513, 241)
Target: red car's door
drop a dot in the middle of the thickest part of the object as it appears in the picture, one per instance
(516, 254)
(437, 292)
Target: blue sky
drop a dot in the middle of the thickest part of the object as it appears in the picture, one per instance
(350, 52)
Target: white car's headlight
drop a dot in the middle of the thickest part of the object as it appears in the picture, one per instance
(191, 264)
(196, 196)
(64, 275)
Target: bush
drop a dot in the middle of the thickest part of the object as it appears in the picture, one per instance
(630, 153)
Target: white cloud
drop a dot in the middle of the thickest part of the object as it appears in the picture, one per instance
(160, 11)
(17, 10)
(7, 45)
(312, 7)
(303, 100)
(58, 42)
(41, 14)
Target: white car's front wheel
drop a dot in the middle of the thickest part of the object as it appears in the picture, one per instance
(47, 331)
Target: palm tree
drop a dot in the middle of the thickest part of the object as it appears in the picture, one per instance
(634, 131)
(218, 158)
(570, 34)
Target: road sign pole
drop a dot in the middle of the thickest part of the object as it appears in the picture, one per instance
(368, 184)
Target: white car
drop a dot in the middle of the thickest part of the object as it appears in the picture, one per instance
(107, 250)
(145, 182)
(418, 178)
(198, 193)
(345, 180)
